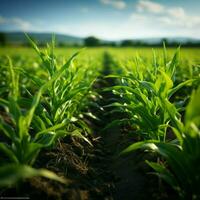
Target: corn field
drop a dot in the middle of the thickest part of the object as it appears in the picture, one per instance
(99, 123)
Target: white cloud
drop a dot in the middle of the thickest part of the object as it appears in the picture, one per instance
(22, 24)
(118, 4)
(178, 16)
(165, 16)
(145, 5)
(138, 17)
(176, 12)
(17, 22)
(166, 20)
(147, 25)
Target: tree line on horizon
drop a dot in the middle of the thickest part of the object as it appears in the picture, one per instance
(95, 42)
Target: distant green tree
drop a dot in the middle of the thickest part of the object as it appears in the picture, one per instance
(164, 41)
(61, 44)
(91, 41)
(113, 44)
(126, 43)
(2, 39)
(76, 45)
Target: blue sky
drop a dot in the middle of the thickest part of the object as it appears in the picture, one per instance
(107, 19)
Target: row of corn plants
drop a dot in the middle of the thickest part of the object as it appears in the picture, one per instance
(40, 106)
(149, 95)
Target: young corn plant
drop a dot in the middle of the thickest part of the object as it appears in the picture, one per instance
(21, 146)
(181, 169)
(144, 93)
(63, 101)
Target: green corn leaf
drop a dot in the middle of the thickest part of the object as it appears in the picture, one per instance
(173, 114)
(78, 134)
(44, 57)
(4, 102)
(7, 129)
(139, 145)
(164, 54)
(163, 84)
(11, 174)
(29, 115)
(179, 86)
(53, 128)
(8, 152)
(35, 47)
(193, 110)
(14, 110)
(175, 158)
(46, 139)
(14, 81)
(178, 135)
(174, 63)
(38, 81)
(148, 85)
(164, 173)
(38, 123)
(31, 152)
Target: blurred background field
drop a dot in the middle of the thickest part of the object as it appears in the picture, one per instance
(187, 55)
